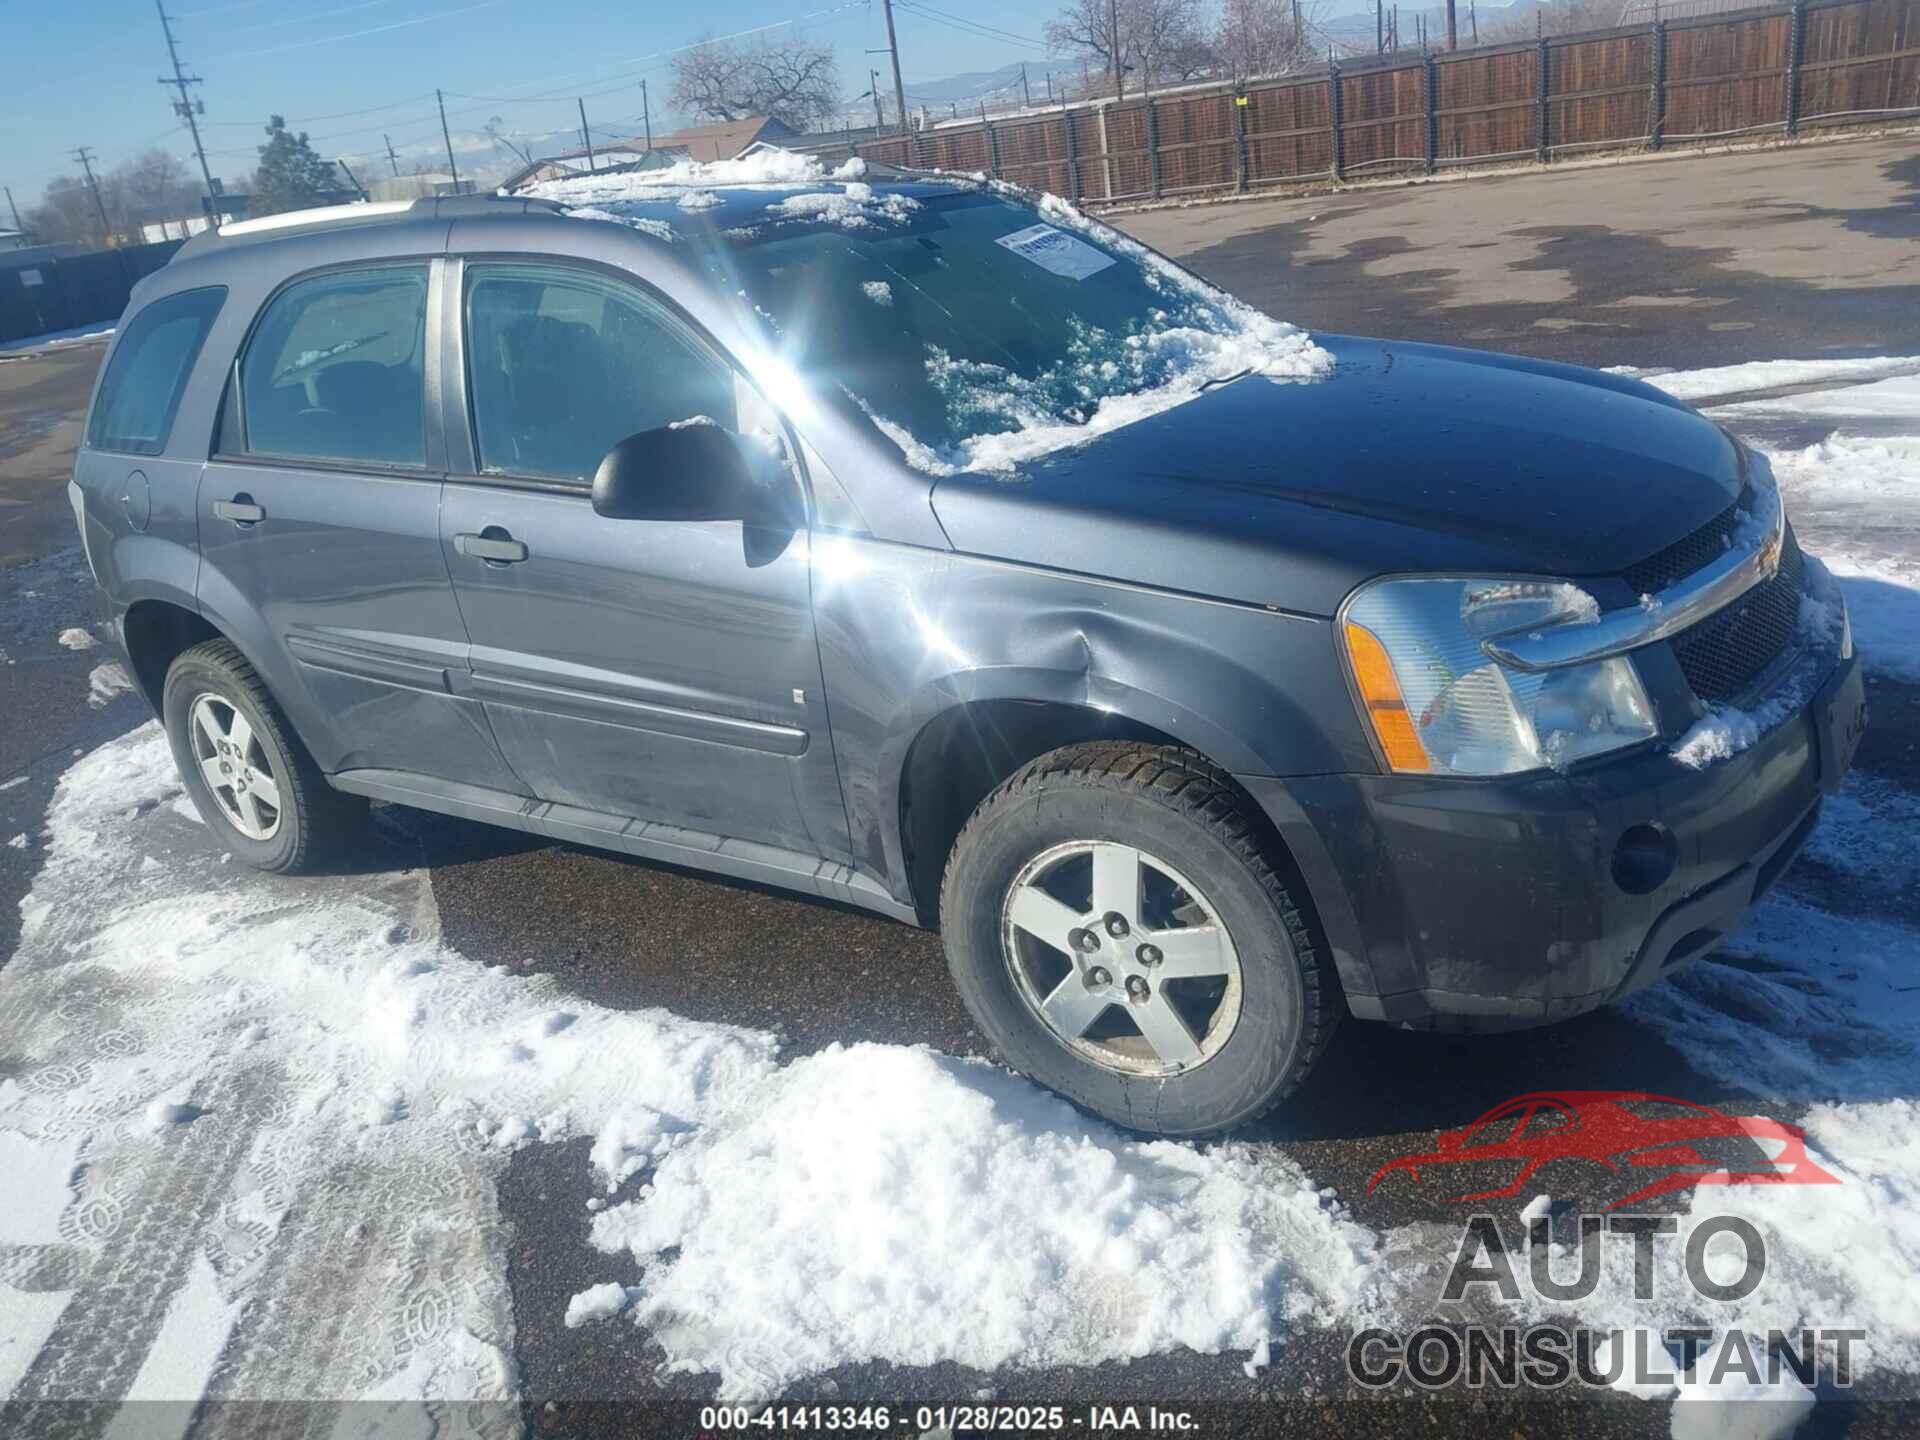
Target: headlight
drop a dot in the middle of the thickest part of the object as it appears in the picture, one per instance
(1437, 703)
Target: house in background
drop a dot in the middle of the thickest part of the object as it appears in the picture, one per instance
(724, 141)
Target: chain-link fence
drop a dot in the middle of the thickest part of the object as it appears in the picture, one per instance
(1776, 68)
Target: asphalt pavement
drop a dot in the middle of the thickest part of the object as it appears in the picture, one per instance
(1679, 262)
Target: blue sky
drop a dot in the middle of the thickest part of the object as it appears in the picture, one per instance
(82, 71)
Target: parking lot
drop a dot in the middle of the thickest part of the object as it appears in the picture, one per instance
(1680, 265)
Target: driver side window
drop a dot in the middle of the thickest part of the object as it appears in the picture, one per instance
(563, 364)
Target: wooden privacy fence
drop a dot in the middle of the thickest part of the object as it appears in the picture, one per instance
(1779, 69)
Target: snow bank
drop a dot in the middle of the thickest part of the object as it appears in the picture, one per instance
(319, 1093)
(877, 1202)
(324, 1096)
(1726, 381)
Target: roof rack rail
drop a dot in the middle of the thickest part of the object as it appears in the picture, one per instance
(359, 213)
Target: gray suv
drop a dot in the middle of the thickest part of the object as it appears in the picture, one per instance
(916, 544)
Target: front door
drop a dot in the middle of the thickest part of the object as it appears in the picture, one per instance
(319, 529)
(659, 669)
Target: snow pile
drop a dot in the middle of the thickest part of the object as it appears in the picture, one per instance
(768, 168)
(75, 638)
(852, 207)
(878, 291)
(310, 1085)
(1736, 1408)
(319, 1096)
(1726, 381)
(105, 682)
(877, 1202)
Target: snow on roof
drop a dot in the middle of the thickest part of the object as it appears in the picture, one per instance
(767, 168)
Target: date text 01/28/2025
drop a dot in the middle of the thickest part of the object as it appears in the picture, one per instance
(980, 1416)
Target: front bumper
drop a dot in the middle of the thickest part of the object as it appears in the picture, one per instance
(1477, 904)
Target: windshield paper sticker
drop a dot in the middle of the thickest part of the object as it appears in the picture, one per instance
(1057, 251)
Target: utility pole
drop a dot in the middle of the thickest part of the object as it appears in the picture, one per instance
(1473, 16)
(1026, 95)
(85, 157)
(1049, 87)
(1453, 29)
(1379, 27)
(186, 108)
(873, 89)
(646, 114)
(586, 135)
(1113, 44)
(447, 135)
(392, 159)
(16, 211)
(893, 49)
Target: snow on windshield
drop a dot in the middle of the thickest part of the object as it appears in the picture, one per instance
(1030, 330)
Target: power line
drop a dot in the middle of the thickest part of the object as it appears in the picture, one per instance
(929, 12)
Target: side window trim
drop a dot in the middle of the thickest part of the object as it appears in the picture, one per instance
(233, 399)
(460, 395)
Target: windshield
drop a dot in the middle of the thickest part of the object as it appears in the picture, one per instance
(977, 331)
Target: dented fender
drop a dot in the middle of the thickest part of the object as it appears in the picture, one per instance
(906, 634)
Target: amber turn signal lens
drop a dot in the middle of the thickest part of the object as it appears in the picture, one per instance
(1386, 709)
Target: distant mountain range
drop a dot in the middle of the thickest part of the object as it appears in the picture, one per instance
(994, 86)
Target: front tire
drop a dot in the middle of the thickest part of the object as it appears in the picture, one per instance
(1116, 926)
(251, 779)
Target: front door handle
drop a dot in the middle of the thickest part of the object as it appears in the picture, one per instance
(493, 545)
(240, 510)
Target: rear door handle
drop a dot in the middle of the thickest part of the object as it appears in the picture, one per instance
(493, 545)
(240, 510)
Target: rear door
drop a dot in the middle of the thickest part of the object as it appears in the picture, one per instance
(662, 670)
(319, 524)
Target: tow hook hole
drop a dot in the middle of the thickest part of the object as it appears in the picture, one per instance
(1644, 859)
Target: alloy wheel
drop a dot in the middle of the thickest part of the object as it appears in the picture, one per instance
(1121, 957)
(235, 766)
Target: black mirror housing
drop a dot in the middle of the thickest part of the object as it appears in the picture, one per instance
(690, 471)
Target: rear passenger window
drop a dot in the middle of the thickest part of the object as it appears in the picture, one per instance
(564, 364)
(335, 370)
(149, 372)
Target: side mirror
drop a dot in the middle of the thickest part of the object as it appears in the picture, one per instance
(685, 472)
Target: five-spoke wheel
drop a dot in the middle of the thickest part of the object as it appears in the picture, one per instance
(1122, 957)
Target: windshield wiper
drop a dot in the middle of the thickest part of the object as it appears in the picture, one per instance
(1207, 385)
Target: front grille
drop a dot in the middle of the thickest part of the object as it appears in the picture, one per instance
(1727, 652)
(1686, 555)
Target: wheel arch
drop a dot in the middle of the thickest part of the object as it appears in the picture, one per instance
(155, 630)
(971, 745)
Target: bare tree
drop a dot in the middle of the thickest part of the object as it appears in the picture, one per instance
(1160, 41)
(1259, 37)
(795, 84)
(66, 214)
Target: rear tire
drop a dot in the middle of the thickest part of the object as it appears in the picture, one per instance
(1203, 928)
(251, 779)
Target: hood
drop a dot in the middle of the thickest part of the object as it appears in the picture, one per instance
(1406, 458)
